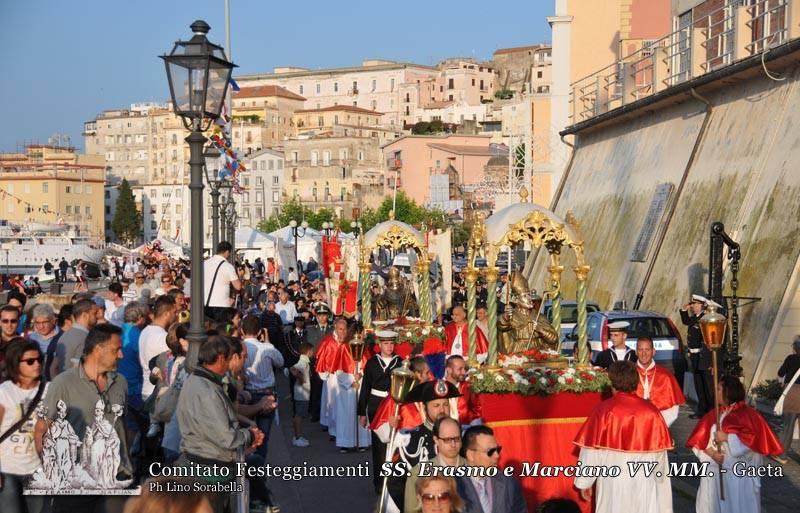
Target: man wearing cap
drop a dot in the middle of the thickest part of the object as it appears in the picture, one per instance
(618, 352)
(418, 444)
(374, 388)
(699, 355)
(320, 328)
(657, 384)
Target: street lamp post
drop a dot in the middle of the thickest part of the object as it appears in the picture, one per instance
(297, 235)
(232, 220)
(327, 229)
(212, 152)
(198, 74)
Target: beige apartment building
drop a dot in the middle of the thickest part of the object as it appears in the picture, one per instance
(320, 121)
(262, 116)
(144, 144)
(391, 88)
(466, 81)
(524, 68)
(342, 173)
(51, 185)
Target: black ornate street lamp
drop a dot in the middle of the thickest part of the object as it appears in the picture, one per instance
(198, 73)
(297, 234)
(213, 153)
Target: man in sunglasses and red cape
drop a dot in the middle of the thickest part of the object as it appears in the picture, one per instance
(628, 434)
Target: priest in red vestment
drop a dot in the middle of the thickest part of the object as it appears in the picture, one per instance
(466, 409)
(741, 444)
(657, 384)
(457, 336)
(625, 433)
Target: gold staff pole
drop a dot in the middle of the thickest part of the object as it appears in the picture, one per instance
(471, 277)
(713, 325)
(402, 383)
(356, 347)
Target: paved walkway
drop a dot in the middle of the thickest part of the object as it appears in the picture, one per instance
(351, 494)
(778, 494)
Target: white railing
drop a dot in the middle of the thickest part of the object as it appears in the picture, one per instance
(741, 29)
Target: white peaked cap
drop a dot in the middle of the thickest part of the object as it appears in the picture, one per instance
(619, 325)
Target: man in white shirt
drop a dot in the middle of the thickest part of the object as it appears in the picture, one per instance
(115, 305)
(258, 370)
(153, 340)
(218, 278)
(286, 310)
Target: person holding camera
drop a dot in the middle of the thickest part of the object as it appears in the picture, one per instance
(259, 372)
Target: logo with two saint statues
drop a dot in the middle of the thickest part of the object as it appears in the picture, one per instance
(71, 466)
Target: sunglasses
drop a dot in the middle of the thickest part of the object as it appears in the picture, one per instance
(166, 280)
(492, 451)
(9, 321)
(31, 361)
(428, 498)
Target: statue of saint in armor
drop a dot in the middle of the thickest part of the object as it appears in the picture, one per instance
(397, 299)
(521, 328)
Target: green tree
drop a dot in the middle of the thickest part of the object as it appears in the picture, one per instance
(269, 224)
(127, 222)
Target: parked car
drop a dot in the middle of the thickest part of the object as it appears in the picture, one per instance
(569, 316)
(667, 340)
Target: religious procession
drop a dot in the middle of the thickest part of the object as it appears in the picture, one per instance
(454, 390)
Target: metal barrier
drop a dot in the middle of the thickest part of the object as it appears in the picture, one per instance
(740, 29)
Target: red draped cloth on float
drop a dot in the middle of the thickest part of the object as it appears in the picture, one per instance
(540, 429)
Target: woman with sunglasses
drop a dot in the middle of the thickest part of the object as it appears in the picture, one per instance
(437, 494)
(18, 456)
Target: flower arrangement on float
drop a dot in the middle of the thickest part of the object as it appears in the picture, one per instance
(525, 374)
(416, 338)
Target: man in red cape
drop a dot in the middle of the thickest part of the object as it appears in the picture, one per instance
(741, 444)
(467, 408)
(628, 434)
(457, 336)
(657, 384)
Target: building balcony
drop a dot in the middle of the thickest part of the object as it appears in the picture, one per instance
(394, 163)
(713, 41)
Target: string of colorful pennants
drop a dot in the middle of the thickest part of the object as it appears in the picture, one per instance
(4, 195)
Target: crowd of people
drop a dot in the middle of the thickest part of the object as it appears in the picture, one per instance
(213, 404)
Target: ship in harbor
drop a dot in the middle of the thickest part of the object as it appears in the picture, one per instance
(25, 248)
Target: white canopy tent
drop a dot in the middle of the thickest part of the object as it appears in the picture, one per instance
(310, 245)
(252, 244)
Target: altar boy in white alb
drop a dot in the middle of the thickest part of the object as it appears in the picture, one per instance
(628, 433)
(740, 445)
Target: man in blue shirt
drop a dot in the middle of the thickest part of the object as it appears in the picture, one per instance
(135, 319)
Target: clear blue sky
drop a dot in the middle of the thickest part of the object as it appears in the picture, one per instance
(66, 61)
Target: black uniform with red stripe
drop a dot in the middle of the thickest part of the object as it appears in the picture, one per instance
(374, 387)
